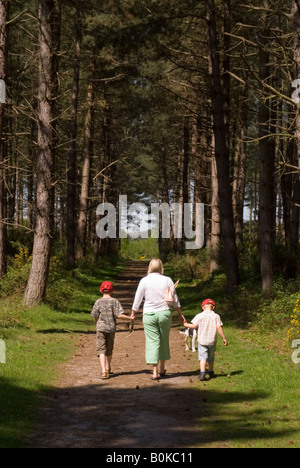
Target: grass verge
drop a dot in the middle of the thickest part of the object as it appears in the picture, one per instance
(254, 401)
(36, 340)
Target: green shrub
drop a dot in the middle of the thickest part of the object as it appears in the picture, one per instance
(14, 282)
(191, 267)
(294, 330)
(139, 249)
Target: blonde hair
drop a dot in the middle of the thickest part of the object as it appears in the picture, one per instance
(156, 266)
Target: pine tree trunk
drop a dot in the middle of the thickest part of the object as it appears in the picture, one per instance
(266, 171)
(215, 218)
(286, 193)
(185, 173)
(239, 182)
(171, 243)
(222, 154)
(72, 161)
(30, 184)
(296, 158)
(179, 199)
(37, 283)
(85, 184)
(4, 13)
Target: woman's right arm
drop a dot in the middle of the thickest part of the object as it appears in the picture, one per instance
(177, 305)
(180, 316)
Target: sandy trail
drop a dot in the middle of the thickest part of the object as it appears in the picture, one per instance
(129, 410)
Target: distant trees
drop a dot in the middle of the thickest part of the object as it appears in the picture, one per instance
(162, 101)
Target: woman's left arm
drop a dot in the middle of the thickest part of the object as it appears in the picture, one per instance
(139, 296)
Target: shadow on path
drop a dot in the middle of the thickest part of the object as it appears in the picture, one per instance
(130, 410)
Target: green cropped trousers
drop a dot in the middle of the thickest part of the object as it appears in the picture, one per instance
(157, 326)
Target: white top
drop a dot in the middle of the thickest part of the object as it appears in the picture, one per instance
(153, 289)
(208, 323)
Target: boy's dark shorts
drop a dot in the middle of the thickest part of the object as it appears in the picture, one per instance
(105, 343)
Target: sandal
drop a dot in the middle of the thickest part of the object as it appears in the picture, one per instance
(154, 378)
(104, 376)
(109, 371)
(163, 373)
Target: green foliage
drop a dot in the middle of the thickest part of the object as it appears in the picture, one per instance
(17, 273)
(19, 269)
(294, 330)
(191, 267)
(249, 261)
(140, 249)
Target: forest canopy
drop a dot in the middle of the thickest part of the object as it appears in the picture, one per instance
(162, 101)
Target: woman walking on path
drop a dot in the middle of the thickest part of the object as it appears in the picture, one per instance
(157, 317)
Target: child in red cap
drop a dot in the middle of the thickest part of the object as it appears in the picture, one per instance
(209, 324)
(105, 312)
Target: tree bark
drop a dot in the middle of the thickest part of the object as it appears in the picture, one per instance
(85, 184)
(72, 159)
(222, 154)
(185, 172)
(4, 13)
(37, 283)
(239, 182)
(266, 162)
(296, 157)
(215, 218)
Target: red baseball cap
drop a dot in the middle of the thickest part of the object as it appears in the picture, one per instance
(106, 286)
(208, 301)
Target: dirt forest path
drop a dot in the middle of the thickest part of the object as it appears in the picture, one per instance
(129, 410)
